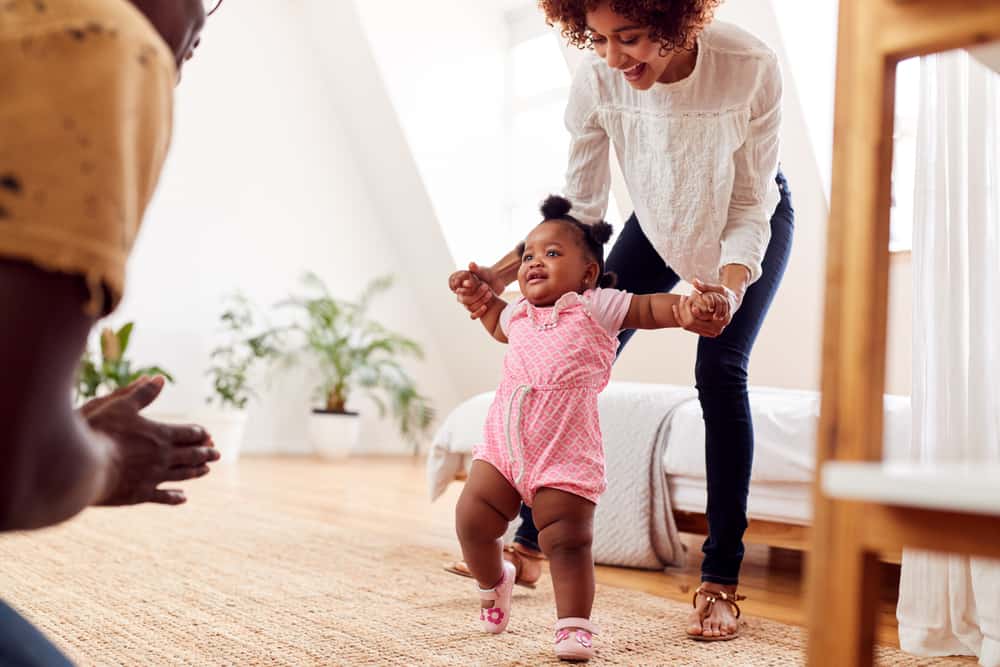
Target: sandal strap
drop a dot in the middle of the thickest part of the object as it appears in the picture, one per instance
(524, 552)
(574, 622)
(714, 596)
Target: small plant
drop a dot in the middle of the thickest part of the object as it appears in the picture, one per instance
(352, 351)
(112, 371)
(232, 361)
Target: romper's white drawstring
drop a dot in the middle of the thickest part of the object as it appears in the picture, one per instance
(524, 390)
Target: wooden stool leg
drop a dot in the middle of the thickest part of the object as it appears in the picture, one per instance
(843, 594)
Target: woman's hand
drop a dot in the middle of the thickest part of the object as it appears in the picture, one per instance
(146, 453)
(475, 288)
(709, 311)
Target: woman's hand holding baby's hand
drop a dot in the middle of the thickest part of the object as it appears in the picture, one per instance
(472, 291)
(709, 306)
(709, 310)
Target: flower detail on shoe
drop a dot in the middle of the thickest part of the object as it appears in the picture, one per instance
(493, 615)
(583, 638)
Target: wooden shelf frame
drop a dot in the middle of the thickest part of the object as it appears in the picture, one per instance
(847, 536)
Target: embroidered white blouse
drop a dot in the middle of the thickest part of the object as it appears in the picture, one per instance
(699, 156)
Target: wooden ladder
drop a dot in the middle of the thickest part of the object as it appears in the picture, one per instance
(862, 507)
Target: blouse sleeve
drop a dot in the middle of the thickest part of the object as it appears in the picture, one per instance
(588, 173)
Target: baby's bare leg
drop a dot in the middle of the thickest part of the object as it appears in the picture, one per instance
(565, 532)
(487, 505)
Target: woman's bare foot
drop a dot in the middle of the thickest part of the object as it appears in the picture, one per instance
(720, 621)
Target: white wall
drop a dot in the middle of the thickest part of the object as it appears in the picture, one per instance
(263, 182)
(442, 62)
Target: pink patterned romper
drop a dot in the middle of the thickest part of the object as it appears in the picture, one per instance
(543, 428)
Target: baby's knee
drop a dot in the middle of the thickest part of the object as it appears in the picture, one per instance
(565, 535)
(476, 520)
(466, 519)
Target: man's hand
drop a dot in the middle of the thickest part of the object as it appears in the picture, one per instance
(145, 453)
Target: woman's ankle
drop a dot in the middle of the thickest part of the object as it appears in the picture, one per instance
(717, 586)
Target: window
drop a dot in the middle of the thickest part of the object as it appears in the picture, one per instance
(904, 153)
(537, 143)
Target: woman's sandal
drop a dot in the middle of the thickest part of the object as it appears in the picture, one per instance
(575, 639)
(513, 553)
(712, 597)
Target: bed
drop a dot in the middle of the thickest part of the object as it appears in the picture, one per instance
(654, 444)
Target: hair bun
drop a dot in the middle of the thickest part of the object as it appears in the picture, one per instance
(555, 207)
(600, 232)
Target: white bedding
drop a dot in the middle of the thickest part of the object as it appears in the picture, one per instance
(785, 424)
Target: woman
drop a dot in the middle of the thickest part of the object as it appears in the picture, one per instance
(693, 108)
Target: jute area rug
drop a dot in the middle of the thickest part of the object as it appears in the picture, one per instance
(255, 584)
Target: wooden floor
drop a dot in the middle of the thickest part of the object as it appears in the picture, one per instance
(388, 496)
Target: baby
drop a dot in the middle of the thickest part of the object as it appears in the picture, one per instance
(542, 439)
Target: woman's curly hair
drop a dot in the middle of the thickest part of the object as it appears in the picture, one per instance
(673, 23)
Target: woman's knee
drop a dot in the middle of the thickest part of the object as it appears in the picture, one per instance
(722, 372)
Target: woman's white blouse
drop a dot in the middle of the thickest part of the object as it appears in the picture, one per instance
(699, 156)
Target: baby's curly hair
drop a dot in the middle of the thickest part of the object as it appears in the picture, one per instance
(673, 23)
(592, 237)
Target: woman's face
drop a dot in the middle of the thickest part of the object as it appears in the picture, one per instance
(626, 47)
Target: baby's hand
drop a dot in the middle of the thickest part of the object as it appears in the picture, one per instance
(463, 280)
(471, 291)
(709, 306)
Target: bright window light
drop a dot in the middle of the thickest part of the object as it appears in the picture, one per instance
(904, 155)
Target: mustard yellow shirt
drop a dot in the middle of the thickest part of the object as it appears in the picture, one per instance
(86, 99)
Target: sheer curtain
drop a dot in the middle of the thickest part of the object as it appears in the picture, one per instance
(951, 604)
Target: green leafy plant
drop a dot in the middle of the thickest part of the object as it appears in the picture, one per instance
(232, 361)
(112, 370)
(352, 351)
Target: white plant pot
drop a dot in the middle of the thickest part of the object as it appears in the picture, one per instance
(227, 429)
(334, 435)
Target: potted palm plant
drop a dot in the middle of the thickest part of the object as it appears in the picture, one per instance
(352, 352)
(112, 370)
(231, 364)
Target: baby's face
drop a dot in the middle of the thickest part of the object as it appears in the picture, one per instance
(554, 262)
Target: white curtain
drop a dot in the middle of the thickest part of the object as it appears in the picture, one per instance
(951, 604)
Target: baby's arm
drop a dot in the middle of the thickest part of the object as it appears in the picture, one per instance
(653, 311)
(491, 318)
